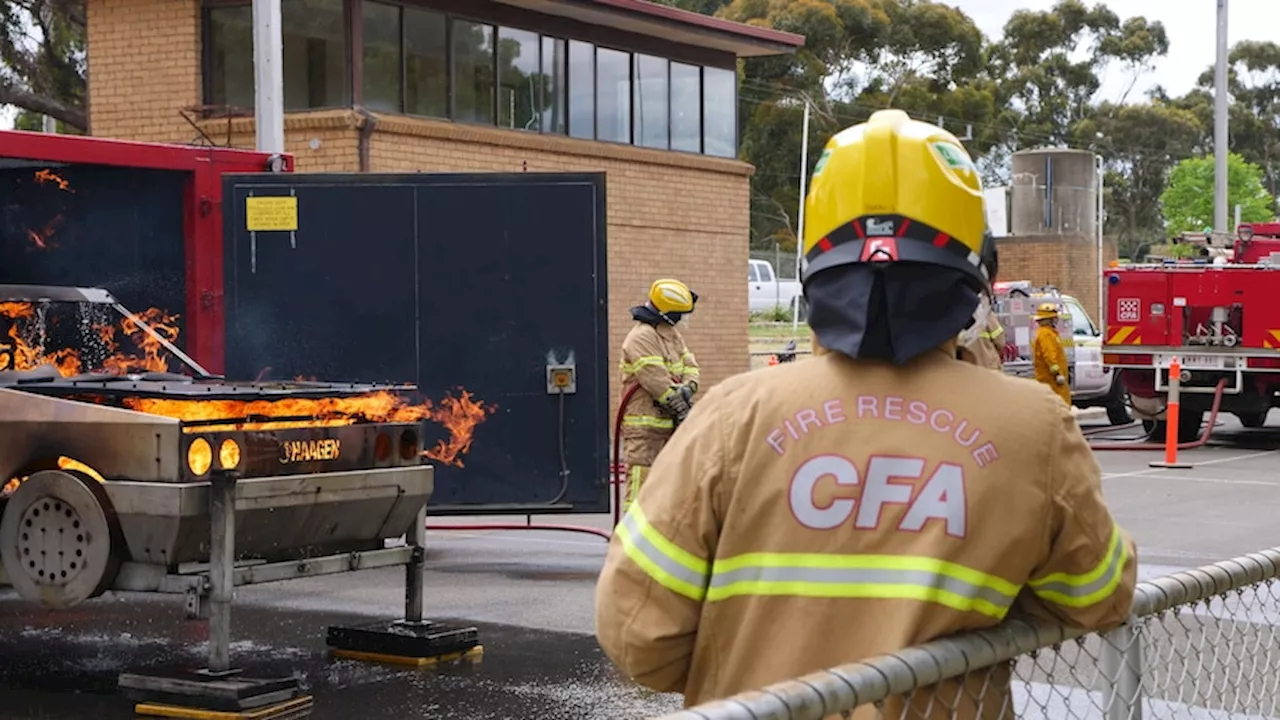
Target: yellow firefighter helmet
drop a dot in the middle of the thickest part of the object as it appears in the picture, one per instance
(1047, 311)
(896, 189)
(671, 296)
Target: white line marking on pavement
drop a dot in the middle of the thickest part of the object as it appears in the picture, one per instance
(1215, 461)
(497, 536)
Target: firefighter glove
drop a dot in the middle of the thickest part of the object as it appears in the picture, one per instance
(675, 401)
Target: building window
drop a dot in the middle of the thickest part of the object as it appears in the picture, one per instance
(427, 63)
(426, 73)
(380, 60)
(519, 70)
(719, 112)
(473, 65)
(229, 62)
(315, 54)
(686, 107)
(582, 90)
(552, 91)
(653, 129)
(613, 95)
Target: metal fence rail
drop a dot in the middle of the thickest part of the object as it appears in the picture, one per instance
(1201, 643)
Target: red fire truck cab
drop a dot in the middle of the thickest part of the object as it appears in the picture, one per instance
(1220, 319)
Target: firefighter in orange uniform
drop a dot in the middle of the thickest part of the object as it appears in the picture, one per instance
(1049, 359)
(655, 356)
(879, 495)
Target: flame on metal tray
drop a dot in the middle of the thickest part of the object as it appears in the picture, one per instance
(459, 415)
(25, 351)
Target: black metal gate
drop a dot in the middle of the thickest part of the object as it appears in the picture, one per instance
(469, 286)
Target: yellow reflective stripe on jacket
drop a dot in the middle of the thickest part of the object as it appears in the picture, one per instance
(862, 576)
(648, 421)
(642, 363)
(990, 334)
(671, 566)
(1088, 588)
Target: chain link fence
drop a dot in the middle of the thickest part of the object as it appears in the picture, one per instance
(1201, 644)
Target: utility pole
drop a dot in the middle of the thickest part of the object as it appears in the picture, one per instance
(1220, 125)
(268, 76)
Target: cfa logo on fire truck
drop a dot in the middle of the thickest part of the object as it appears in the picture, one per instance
(1128, 309)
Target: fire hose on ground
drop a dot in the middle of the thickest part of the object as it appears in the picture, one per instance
(1189, 445)
(616, 481)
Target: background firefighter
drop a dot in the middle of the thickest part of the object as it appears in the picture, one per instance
(1050, 358)
(655, 356)
(982, 343)
(882, 493)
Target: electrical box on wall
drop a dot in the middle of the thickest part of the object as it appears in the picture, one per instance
(561, 380)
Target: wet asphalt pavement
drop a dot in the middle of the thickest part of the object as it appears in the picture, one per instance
(529, 594)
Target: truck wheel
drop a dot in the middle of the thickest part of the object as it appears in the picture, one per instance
(1189, 424)
(1118, 405)
(57, 537)
(1253, 419)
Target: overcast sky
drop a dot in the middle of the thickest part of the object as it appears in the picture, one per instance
(1190, 24)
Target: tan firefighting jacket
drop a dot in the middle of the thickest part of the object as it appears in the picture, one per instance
(1049, 361)
(822, 512)
(983, 344)
(656, 358)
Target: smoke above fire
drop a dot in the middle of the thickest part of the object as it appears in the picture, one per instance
(458, 414)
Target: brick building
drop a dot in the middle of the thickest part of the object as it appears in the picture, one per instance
(643, 92)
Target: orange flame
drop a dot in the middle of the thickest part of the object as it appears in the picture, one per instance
(44, 177)
(64, 463)
(24, 354)
(459, 415)
(42, 239)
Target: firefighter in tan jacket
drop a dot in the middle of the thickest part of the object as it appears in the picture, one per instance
(655, 357)
(982, 343)
(883, 493)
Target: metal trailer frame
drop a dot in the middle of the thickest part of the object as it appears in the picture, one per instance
(202, 209)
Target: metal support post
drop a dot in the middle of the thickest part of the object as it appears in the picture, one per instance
(1121, 673)
(222, 557)
(268, 76)
(1220, 136)
(415, 570)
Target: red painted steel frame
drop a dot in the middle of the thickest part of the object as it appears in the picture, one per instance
(202, 211)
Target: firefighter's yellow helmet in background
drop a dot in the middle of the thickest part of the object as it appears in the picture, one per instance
(671, 296)
(897, 189)
(1047, 311)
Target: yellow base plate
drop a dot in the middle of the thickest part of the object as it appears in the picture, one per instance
(270, 712)
(473, 654)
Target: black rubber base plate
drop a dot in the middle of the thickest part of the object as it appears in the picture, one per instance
(398, 638)
(192, 689)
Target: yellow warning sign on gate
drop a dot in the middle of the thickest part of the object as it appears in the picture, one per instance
(265, 214)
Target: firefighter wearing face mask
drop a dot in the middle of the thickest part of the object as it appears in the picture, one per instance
(655, 357)
(982, 343)
(879, 495)
(1050, 359)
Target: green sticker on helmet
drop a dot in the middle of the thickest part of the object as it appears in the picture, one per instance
(822, 161)
(954, 157)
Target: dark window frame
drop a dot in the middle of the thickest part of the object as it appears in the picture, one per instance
(495, 15)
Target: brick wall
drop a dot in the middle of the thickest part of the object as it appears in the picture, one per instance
(1068, 262)
(144, 67)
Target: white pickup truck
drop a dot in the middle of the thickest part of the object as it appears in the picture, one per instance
(766, 292)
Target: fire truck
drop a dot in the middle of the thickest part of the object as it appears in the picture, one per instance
(1217, 315)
